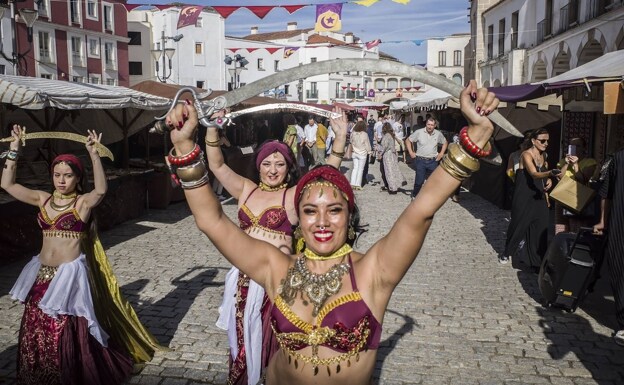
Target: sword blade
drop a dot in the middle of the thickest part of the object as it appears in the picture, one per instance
(101, 149)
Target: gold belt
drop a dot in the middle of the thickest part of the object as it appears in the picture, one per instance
(46, 273)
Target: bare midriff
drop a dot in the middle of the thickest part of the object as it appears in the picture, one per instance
(282, 242)
(56, 250)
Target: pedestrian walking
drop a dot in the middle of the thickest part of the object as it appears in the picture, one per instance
(426, 155)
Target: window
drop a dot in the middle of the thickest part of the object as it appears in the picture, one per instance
(2, 69)
(490, 41)
(44, 46)
(199, 48)
(76, 51)
(74, 11)
(337, 90)
(501, 37)
(457, 78)
(514, 30)
(109, 55)
(92, 9)
(457, 58)
(77, 79)
(135, 68)
(46, 76)
(200, 84)
(94, 47)
(199, 23)
(94, 80)
(108, 18)
(276, 66)
(261, 64)
(42, 8)
(111, 82)
(312, 60)
(441, 58)
(135, 38)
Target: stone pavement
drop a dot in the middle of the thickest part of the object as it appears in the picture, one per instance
(458, 317)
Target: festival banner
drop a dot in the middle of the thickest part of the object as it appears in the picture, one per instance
(288, 51)
(189, 15)
(328, 17)
(372, 44)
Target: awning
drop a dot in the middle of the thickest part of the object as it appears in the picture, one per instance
(433, 98)
(399, 105)
(367, 104)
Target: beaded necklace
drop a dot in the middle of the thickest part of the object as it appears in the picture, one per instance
(59, 195)
(266, 187)
(341, 252)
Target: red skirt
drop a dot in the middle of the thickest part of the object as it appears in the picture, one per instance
(60, 350)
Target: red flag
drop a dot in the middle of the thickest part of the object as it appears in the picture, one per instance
(272, 50)
(189, 15)
(130, 7)
(259, 10)
(225, 11)
(250, 50)
(373, 43)
(292, 8)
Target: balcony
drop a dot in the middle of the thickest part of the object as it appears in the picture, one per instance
(544, 31)
(595, 9)
(311, 94)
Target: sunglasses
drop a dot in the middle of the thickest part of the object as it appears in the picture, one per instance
(542, 141)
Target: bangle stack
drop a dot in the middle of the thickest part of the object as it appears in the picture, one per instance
(10, 155)
(338, 154)
(188, 171)
(212, 143)
(472, 147)
(458, 162)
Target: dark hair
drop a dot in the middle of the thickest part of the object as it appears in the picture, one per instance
(289, 120)
(292, 176)
(359, 126)
(538, 132)
(81, 186)
(387, 129)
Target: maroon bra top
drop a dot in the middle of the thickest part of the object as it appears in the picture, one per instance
(272, 219)
(345, 324)
(66, 224)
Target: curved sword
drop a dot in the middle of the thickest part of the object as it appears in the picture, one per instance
(285, 106)
(101, 149)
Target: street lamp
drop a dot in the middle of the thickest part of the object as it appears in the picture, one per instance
(165, 54)
(28, 16)
(239, 65)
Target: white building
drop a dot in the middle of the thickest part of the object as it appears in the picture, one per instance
(445, 57)
(312, 47)
(198, 57)
(521, 41)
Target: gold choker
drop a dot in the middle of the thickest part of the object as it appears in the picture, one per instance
(266, 187)
(341, 252)
(58, 195)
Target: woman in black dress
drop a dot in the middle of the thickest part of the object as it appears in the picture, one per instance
(529, 207)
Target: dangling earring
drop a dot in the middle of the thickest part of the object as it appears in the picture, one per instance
(299, 241)
(351, 233)
(297, 233)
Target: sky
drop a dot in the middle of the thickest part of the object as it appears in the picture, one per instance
(385, 20)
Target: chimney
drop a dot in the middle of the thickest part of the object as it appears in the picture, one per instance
(349, 37)
(292, 26)
(254, 30)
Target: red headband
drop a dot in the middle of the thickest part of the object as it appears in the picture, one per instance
(68, 158)
(331, 175)
(273, 147)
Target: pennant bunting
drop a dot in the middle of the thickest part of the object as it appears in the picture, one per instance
(288, 51)
(404, 2)
(366, 3)
(250, 50)
(372, 44)
(162, 7)
(224, 10)
(328, 17)
(292, 8)
(261, 10)
(272, 50)
(234, 49)
(130, 7)
(189, 15)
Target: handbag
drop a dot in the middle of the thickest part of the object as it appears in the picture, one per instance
(572, 194)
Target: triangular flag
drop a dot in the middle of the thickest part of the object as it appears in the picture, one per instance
(224, 11)
(417, 42)
(234, 49)
(401, 1)
(272, 50)
(162, 7)
(292, 8)
(288, 51)
(259, 10)
(130, 7)
(328, 17)
(250, 50)
(366, 3)
(189, 15)
(372, 44)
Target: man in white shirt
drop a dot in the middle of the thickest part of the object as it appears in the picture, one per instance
(310, 137)
(426, 155)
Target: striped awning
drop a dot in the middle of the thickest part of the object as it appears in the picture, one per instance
(36, 93)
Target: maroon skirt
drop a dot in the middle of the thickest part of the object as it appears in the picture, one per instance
(60, 350)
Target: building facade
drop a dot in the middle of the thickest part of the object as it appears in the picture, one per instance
(73, 40)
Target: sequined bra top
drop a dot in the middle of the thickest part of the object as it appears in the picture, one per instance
(273, 219)
(66, 224)
(345, 325)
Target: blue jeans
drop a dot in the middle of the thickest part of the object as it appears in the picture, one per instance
(424, 168)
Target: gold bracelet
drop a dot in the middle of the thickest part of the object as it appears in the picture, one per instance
(192, 172)
(213, 143)
(337, 154)
(458, 156)
(452, 169)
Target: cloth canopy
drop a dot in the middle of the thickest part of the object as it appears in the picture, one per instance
(57, 105)
(429, 99)
(367, 104)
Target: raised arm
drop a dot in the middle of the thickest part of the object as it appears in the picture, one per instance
(91, 199)
(234, 184)
(393, 254)
(339, 125)
(258, 259)
(16, 190)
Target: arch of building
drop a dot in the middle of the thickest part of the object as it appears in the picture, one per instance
(593, 45)
(539, 73)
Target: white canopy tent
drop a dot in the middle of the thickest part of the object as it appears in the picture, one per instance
(609, 66)
(433, 98)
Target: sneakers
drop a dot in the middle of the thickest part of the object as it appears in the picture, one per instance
(619, 337)
(503, 259)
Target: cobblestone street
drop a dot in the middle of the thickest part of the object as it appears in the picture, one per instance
(458, 317)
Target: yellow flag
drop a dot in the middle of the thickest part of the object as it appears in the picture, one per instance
(401, 1)
(366, 3)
